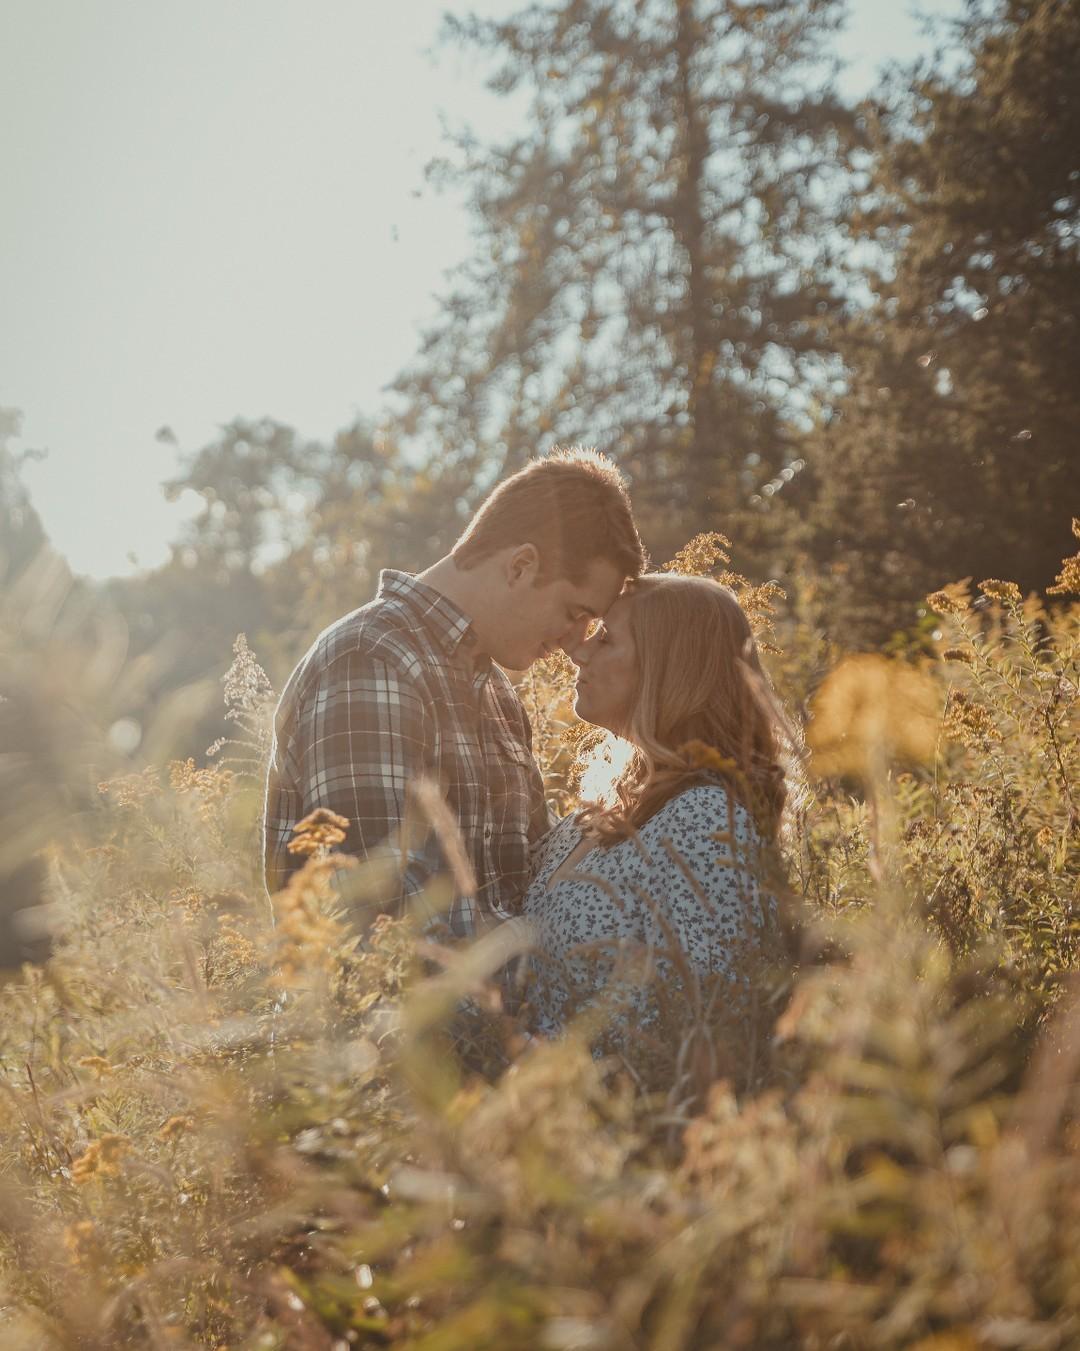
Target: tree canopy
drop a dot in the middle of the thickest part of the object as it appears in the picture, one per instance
(956, 448)
(658, 258)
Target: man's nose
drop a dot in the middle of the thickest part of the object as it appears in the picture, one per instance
(575, 643)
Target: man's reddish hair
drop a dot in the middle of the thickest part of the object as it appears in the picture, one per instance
(572, 505)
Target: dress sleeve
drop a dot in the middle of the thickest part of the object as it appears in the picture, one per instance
(699, 884)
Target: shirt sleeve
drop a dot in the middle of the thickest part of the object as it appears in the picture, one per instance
(362, 736)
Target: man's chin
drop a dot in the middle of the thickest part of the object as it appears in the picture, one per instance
(537, 655)
(517, 662)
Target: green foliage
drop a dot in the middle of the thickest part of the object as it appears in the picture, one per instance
(954, 449)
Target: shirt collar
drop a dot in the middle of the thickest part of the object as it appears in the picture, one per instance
(447, 622)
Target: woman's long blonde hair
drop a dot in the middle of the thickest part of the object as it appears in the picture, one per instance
(702, 706)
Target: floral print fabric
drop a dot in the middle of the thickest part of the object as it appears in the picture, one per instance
(682, 898)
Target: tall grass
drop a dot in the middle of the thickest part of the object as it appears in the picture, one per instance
(228, 1127)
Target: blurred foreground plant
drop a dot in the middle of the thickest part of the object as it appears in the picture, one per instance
(219, 1130)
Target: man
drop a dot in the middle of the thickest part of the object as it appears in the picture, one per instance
(406, 686)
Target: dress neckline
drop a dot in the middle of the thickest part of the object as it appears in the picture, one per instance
(550, 881)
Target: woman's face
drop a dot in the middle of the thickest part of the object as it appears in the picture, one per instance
(607, 670)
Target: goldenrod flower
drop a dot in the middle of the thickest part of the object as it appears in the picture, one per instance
(233, 949)
(174, 1128)
(189, 899)
(703, 756)
(1068, 579)
(969, 723)
(702, 556)
(129, 790)
(211, 785)
(97, 1063)
(320, 829)
(102, 1158)
(307, 937)
(950, 600)
(871, 709)
(1006, 592)
(82, 1242)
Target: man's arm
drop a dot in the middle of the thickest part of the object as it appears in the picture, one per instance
(361, 736)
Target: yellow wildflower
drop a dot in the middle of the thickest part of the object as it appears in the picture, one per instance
(189, 899)
(102, 1158)
(969, 723)
(703, 756)
(1067, 582)
(174, 1128)
(210, 785)
(182, 775)
(307, 937)
(872, 710)
(320, 829)
(950, 600)
(1068, 579)
(82, 1242)
(1006, 592)
(234, 950)
(129, 790)
(702, 556)
(98, 1064)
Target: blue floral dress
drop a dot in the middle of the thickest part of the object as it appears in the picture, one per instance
(668, 908)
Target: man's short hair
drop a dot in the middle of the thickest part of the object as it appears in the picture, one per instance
(572, 505)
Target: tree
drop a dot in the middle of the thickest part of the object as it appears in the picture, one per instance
(292, 534)
(955, 451)
(656, 266)
(22, 536)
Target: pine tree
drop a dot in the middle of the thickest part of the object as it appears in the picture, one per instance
(21, 533)
(957, 449)
(654, 270)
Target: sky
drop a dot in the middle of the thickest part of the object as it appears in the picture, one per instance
(215, 210)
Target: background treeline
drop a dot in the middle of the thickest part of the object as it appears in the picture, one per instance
(845, 335)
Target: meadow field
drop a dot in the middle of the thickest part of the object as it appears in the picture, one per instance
(288, 289)
(228, 1123)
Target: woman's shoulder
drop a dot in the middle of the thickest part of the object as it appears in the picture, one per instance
(565, 827)
(558, 837)
(703, 809)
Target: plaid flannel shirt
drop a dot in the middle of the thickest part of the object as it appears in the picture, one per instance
(391, 692)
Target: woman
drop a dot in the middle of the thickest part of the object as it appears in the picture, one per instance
(655, 896)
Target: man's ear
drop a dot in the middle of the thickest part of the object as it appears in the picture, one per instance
(523, 565)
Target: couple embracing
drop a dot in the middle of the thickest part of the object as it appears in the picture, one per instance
(412, 685)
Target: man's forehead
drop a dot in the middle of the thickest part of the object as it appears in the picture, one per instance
(600, 589)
